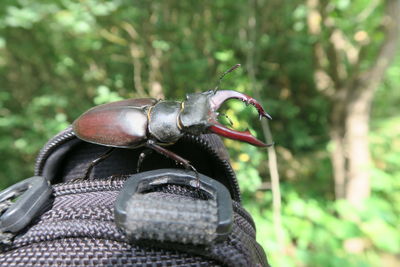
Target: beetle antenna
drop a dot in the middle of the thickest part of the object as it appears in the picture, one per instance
(223, 75)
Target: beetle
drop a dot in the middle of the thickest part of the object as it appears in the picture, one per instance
(152, 123)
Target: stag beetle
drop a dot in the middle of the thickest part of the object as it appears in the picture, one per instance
(155, 123)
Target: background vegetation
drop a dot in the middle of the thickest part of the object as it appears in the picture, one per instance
(327, 71)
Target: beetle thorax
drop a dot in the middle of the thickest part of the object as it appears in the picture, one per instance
(163, 121)
(195, 113)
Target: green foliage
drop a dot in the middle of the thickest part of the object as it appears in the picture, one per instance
(325, 233)
(59, 58)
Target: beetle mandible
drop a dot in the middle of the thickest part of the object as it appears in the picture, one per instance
(155, 123)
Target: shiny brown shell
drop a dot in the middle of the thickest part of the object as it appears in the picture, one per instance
(118, 124)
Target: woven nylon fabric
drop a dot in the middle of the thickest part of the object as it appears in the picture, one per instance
(79, 229)
(91, 251)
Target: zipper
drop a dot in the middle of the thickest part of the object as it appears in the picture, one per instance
(79, 186)
(224, 163)
(52, 145)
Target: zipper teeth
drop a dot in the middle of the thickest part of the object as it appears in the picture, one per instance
(242, 212)
(234, 180)
(53, 143)
(225, 164)
(84, 186)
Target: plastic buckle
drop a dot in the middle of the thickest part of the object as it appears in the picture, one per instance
(31, 194)
(145, 181)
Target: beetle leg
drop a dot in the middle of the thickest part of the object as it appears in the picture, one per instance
(169, 154)
(97, 161)
(142, 156)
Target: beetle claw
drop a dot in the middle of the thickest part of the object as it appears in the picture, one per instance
(244, 136)
(216, 101)
(221, 96)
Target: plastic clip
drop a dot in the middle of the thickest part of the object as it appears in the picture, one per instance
(31, 194)
(145, 181)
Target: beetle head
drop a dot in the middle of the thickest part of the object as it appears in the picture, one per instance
(199, 114)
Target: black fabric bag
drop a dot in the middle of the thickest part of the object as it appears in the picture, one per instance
(160, 216)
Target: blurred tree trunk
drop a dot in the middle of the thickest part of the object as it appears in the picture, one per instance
(350, 90)
(251, 65)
